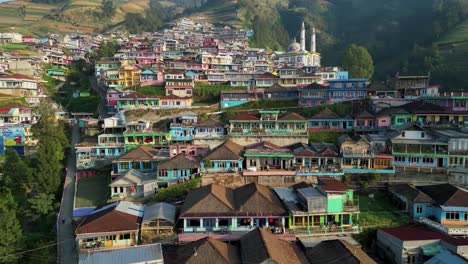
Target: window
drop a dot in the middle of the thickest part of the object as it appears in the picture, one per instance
(423, 134)
(452, 215)
(121, 190)
(419, 209)
(402, 134)
(223, 222)
(194, 222)
(124, 166)
(124, 236)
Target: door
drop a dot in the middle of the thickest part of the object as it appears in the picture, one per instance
(440, 162)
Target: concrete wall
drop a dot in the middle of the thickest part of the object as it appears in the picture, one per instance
(277, 140)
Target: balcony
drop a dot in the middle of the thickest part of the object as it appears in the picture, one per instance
(450, 230)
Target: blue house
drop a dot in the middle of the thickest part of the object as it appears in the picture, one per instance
(443, 204)
(192, 74)
(148, 75)
(210, 128)
(181, 132)
(143, 159)
(225, 157)
(347, 89)
(176, 170)
(327, 120)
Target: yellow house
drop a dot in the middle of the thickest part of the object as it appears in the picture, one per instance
(129, 73)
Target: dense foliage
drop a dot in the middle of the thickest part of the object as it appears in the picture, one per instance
(398, 34)
(30, 191)
(358, 62)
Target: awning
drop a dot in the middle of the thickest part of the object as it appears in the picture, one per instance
(431, 250)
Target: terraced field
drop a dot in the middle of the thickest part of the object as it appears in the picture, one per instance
(73, 16)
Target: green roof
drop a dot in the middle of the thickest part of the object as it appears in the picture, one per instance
(269, 112)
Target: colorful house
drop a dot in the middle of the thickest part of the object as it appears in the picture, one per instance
(114, 225)
(326, 120)
(103, 66)
(176, 170)
(319, 159)
(267, 156)
(268, 122)
(225, 157)
(151, 77)
(210, 128)
(361, 154)
(182, 132)
(414, 147)
(143, 159)
(439, 206)
(313, 94)
(174, 101)
(347, 89)
(216, 208)
(179, 87)
(133, 184)
(140, 133)
(136, 100)
(320, 208)
(129, 73)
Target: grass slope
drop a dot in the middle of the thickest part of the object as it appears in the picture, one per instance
(454, 46)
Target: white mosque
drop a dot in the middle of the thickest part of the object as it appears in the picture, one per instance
(297, 55)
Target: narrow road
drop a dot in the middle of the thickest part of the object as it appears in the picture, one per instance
(102, 107)
(66, 243)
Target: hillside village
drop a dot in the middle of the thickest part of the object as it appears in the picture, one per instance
(190, 146)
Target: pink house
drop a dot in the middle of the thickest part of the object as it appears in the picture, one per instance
(29, 39)
(191, 150)
(383, 121)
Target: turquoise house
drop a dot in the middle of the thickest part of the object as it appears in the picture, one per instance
(176, 170)
(225, 157)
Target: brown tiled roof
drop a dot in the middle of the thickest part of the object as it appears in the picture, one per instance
(214, 200)
(258, 246)
(411, 193)
(446, 194)
(140, 153)
(108, 220)
(180, 161)
(365, 114)
(210, 122)
(246, 116)
(332, 185)
(302, 150)
(263, 144)
(326, 114)
(256, 198)
(207, 250)
(226, 151)
(337, 251)
(16, 76)
(208, 200)
(291, 116)
(415, 233)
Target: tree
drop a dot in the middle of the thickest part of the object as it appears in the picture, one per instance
(107, 8)
(358, 62)
(10, 227)
(50, 152)
(18, 175)
(39, 205)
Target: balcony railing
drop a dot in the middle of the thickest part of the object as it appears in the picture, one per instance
(461, 230)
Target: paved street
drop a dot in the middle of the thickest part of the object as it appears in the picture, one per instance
(66, 247)
(102, 102)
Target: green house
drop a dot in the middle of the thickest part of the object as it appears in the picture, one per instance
(327, 206)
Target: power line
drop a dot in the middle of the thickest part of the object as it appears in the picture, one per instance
(31, 250)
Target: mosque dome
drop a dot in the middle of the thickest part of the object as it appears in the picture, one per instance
(294, 47)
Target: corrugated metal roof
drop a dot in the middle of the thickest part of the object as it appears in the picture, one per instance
(160, 211)
(136, 254)
(130, 208)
